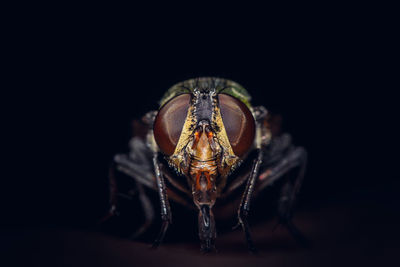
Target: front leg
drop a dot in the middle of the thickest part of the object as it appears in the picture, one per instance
(165, 208)
(244, 207)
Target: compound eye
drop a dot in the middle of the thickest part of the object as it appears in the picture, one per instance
(169, 123)
(238, 122)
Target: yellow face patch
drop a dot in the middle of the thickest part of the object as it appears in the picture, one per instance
(227, 159)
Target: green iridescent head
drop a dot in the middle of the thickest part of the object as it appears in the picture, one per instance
(222, 86)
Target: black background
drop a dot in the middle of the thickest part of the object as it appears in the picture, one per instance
(79, 81)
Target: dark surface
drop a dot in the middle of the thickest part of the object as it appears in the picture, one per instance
(351, 233)
(78, 82)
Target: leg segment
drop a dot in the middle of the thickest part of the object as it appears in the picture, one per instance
(141, 174)
(244, 207)
(148, 211)
(165, 208)
(288, 198)
(137, 164)
(112, 197)
(285, 214)
(295, 157)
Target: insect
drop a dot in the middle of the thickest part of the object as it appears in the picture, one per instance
(206, 142)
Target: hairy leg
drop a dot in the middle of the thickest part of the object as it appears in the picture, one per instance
(165, 208)
(244, 207)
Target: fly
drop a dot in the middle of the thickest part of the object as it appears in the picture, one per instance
(197, 141)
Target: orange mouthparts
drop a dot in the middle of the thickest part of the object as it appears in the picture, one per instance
(203, 166)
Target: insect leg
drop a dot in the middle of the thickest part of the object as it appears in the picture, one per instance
(288, 198)
(112, 195)
(137, 164)
(165, 208)
(148, 211)
(134, 170)
(244, 207)
(296, 157)
(260, 114)
(285, 214)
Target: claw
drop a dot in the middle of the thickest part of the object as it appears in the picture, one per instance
(245, 226)
(161, 235)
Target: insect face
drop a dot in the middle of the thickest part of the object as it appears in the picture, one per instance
(205, 128)
(204, 135)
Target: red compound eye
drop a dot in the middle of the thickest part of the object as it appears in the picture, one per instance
(239, 123)
(169, 123)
